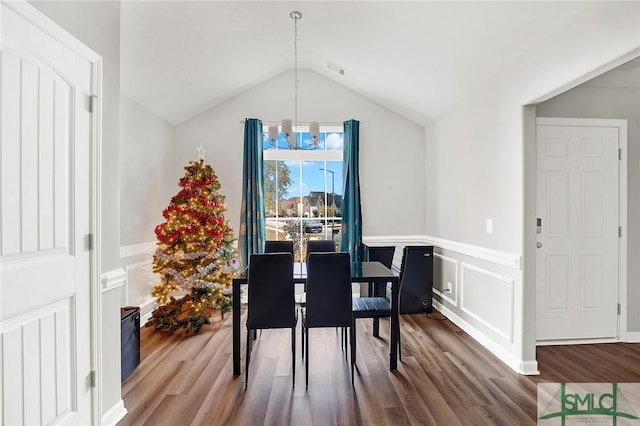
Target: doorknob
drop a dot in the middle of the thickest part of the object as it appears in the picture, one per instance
(539, 244)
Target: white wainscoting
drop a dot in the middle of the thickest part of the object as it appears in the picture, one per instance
(137, 260)
(488, 297)
(447, 287)
(477, 289)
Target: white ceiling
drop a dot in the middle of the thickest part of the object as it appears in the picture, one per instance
(417, 58)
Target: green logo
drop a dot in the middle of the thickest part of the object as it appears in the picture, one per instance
(588, 403)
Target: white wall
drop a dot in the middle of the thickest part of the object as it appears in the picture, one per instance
(391, 146)
(97, 24)
(586, 101)
(147, 180)
(476, 157)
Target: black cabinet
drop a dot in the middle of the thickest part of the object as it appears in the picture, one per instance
(416, 280)
(129, 340)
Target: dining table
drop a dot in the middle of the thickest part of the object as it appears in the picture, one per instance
(365, 272)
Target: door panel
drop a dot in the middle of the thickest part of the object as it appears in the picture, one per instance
(45, 267)
(577, 258)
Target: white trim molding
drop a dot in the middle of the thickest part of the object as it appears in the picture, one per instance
(113, 279)
(451, 295)
(137, 249)
(490, 255)
(505, 334)
(146, 308)
(526, 367)
(631, 337)
(114, 414)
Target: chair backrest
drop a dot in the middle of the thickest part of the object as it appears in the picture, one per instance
(270, 294)
(382, 254)
(278, 246)
(329, 300)
(320, 246)
(416, 279)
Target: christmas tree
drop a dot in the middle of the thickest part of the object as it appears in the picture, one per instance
(195, 256)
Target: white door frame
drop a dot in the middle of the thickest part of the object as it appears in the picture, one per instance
(41, 21)
(621, 125)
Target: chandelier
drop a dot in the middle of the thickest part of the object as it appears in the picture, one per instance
(287, 124)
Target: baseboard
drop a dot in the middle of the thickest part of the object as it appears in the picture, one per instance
(520, 366)
(631, 337)
(575, 342)
(628, 337)
(145, 310)
(114, 414)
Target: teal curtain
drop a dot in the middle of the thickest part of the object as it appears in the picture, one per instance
(252, 225)
(351, 211)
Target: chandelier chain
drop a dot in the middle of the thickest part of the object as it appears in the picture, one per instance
(295, 67)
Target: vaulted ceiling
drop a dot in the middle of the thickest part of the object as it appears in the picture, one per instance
(417, 58)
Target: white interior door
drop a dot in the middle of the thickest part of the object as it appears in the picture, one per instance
(45, 263)
(577, 256)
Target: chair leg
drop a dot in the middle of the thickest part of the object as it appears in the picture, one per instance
(293, 355)
(302, 349)
(399, 342)
(306, 360)
(353, 348)
(343, 341)
(376, 327)
(247, 356)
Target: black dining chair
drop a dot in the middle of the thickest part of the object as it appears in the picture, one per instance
(270, 298)
(384, 255)
(278, 246)
(378, 303)
(416, 280)
(320, 246)
(328, 301)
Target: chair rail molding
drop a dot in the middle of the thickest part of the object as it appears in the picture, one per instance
(490, 255)
(137, 249)
(113, 279)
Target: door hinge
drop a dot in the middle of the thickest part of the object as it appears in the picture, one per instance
(92, 378)
(619, 153)
(90, 241)
(93, 103)
(619, 231)
(619, 309)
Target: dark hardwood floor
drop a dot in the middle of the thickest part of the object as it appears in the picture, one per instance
(445, 378)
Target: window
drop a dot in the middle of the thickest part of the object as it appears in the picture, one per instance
(303, 188)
